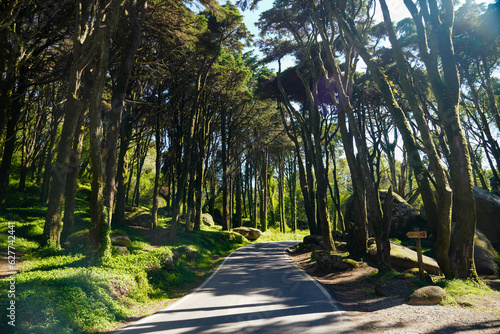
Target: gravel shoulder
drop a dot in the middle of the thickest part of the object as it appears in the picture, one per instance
(391, 315)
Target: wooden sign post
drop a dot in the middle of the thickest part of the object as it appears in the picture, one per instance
(418, 235)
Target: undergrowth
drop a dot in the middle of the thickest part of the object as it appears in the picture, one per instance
(458, 288)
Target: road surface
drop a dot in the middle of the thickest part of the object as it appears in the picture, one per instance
(257, 289)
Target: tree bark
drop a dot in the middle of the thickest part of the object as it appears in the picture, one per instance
(122, 165)
(154, 210)
(72, 181)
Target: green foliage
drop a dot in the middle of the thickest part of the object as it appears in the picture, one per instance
(61, 291)
(457, 288)
(273, 234)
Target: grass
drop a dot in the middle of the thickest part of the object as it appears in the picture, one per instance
(273, 234)
(64, 293)
(457, 289)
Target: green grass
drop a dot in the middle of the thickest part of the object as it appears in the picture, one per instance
(457, 288)
(273, 234)
(63, 293)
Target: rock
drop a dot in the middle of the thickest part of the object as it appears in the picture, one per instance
(139, 217)
(329, 262)
(78, 240)
(207, 219)
(248, 232)
(186, 252)
(121, 249)
(488, 214)
(304, 248)
(120, 240)
(484, 255)
(404, 217)
(313, 240)
(168, 263)
(405, 258)
(428, 295)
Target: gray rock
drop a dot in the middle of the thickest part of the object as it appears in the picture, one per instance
(139, 217)
(404, 217)
(428, 295)
(120, 240)
(169, 263)
(121, 249)
(304, 248)
(248, 232)
(312, 240)
(484, 255)
(207, 219)
(330, 262)
(406, 258)
(186, 252)
(488, 214)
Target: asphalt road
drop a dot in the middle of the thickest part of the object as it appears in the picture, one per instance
(257, 289)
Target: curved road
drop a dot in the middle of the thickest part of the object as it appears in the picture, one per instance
(257, 289)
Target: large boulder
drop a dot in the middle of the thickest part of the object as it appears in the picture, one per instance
(187, 253)
(488, 214)
(120, 240)
(312, 240)
(484, 255)
(330, 262)
(121, 249)
(428, 295)
(138, 217)
(406, 258)
(404, 217)
(207, 219)
(248, 232)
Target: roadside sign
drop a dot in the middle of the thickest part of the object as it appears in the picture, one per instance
(416, 234)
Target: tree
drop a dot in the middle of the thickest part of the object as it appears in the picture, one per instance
(455, 259)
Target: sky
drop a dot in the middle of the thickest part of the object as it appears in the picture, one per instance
(397, 9)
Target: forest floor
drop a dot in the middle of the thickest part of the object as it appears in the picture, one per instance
(355, 290)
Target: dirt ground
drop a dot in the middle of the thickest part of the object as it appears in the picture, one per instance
(391, 315)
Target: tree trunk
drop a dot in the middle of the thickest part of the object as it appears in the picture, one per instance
(44, 193)
(358, 230)
(72, 181)
(154, 210)
(121, 174)
(281, 193)
(293, 191)
(73, 109)
(264, 195)
(11, 139)
(255, 192)
(136, 13)
(100, 209)
(238, 184)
